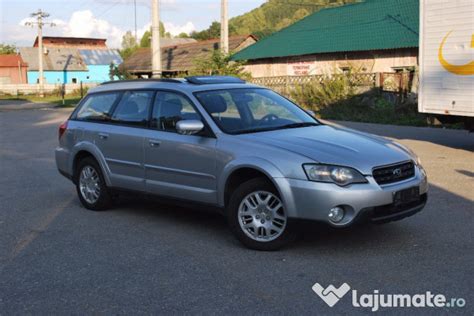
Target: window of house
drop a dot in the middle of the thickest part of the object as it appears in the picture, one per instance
(97, 107)
(133, 108)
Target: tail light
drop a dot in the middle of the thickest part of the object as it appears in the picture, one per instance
(62, 129)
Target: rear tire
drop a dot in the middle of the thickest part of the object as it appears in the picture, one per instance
(91, 187)
(257, 217)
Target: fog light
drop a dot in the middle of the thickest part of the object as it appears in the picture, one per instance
(336, 214)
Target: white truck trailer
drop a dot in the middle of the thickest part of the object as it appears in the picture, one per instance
(446, 53)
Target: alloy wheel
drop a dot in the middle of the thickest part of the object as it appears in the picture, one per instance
(262, 216)
(89, 184)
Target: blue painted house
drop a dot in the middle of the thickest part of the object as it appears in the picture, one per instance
(98, 63)
(70, 65)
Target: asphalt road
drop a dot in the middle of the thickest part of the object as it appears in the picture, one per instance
(144, 257)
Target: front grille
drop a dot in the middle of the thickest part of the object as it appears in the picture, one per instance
(394, 173)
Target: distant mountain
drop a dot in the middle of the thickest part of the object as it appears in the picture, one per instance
(270, 17)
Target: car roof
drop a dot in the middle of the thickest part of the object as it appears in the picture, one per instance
(167, 84)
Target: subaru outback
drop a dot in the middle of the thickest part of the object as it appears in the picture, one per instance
(257, 156)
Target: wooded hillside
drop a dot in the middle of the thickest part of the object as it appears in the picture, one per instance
(270, 17)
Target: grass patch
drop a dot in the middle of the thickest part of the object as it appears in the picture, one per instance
(69, 100)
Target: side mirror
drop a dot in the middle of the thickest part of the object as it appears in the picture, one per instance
(189, 127)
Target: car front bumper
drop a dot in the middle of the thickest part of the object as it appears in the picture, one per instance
(313, 200)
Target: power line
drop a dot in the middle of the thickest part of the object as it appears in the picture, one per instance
(107, 9)
(40, 15)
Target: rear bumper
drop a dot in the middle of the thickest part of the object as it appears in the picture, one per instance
(312, 200)
(62, 162)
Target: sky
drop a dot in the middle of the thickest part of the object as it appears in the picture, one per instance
(109, 19)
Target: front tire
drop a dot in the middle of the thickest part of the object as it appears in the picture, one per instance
(257, 216)
(90, 185)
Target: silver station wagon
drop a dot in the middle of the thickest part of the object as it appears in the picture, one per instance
(258, 157)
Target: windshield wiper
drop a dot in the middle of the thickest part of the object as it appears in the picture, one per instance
(255, 130)
(296, 125)
(273, 128)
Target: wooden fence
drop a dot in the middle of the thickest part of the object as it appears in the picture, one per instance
(396, 83)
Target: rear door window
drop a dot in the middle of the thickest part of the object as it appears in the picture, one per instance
(133, 108)
(171, 108)
(97, 107)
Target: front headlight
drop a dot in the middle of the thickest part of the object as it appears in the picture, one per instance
(334, 174)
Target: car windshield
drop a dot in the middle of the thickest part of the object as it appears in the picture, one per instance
(251, 110)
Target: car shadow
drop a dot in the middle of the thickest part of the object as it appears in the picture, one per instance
(313, 236)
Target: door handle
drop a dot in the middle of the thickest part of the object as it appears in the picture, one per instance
(154, 142)
(103, 135)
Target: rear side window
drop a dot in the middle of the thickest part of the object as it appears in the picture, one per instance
(97, 107)
(133, 108)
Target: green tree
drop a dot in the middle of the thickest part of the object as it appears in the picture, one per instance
(214, 31)
(145, 41)
(219, 63)
(129, 45)
(183, 35)
(162, 29)
(118, 72)
(270, 17)
(7, 49)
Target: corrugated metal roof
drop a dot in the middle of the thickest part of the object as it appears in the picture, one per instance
(370, 25)
(164, 41)
(181, 57)
(56, 59)
(100, 56)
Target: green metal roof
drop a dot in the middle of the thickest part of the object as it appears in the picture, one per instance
(369, 25)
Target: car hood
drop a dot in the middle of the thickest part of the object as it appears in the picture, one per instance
(332, 145)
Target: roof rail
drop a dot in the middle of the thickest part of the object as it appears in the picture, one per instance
(213, 79)
(144, 80)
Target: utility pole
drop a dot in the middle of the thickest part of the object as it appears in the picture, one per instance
(40, 15)
(224, 28)
(135, 8)
(155, 40)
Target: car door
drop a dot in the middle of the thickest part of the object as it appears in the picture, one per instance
(121, 141)
(179, 166)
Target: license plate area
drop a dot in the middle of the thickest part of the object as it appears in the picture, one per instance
(406, 196)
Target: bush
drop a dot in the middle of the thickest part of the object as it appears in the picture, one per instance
(337, 98)
(329, 91)
(377, 110)
(77, 92)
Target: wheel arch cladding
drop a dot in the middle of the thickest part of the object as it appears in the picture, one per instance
(83, 150)
(237, 172)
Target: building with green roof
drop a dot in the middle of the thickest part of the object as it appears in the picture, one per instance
(370, 36)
